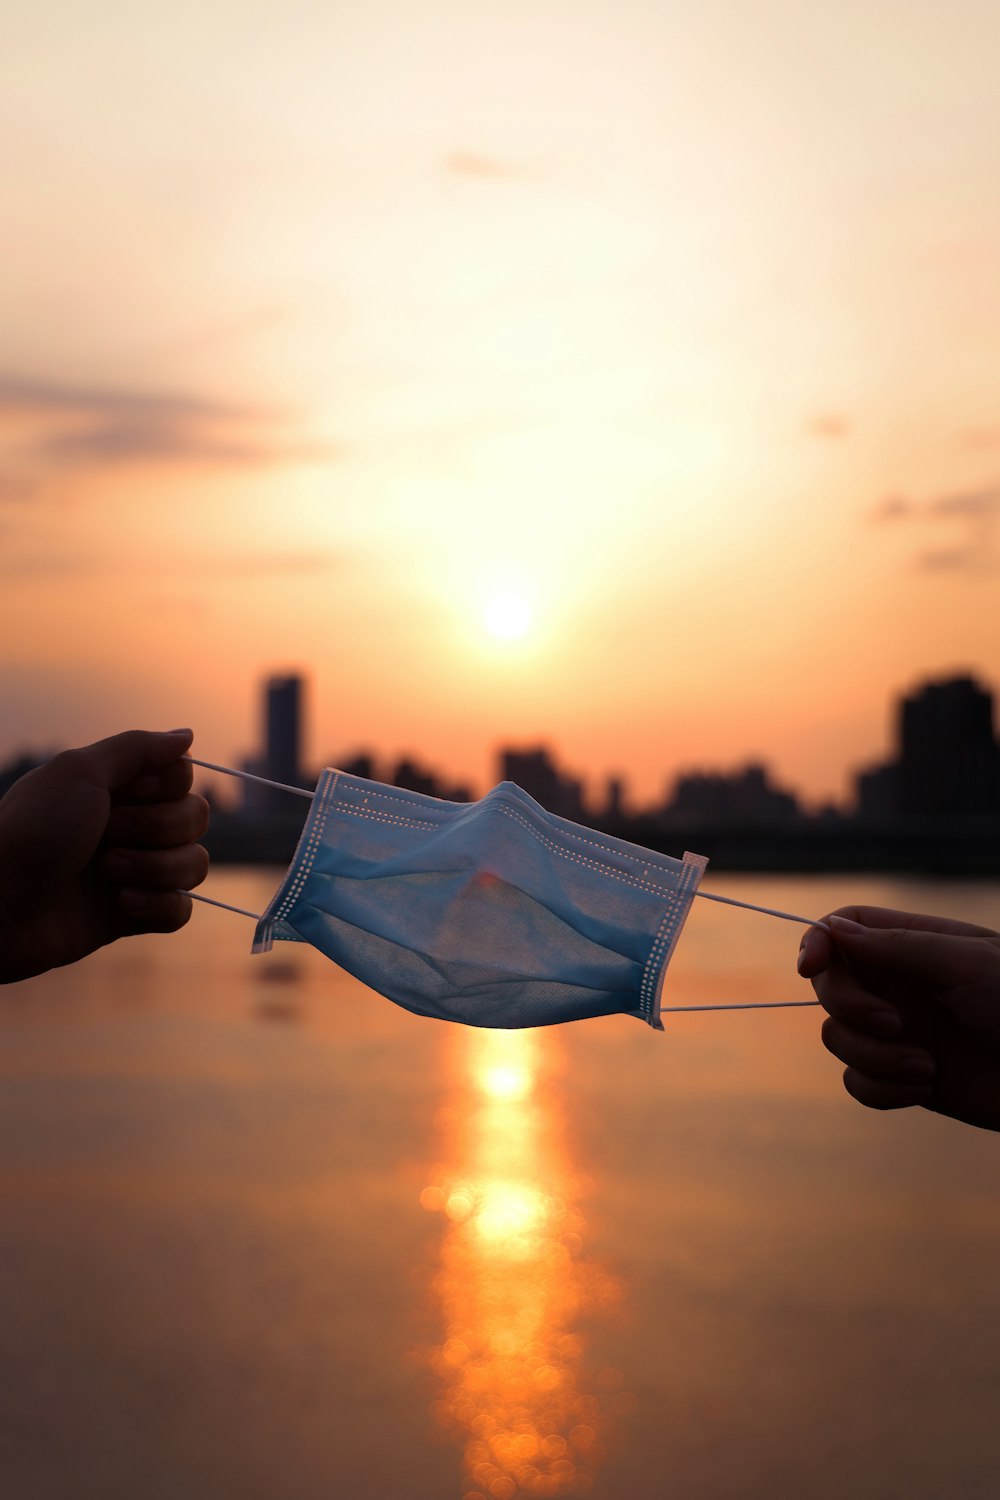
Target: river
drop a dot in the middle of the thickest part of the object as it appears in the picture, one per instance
(266, 1235)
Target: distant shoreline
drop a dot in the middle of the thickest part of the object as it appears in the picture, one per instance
(845, 849)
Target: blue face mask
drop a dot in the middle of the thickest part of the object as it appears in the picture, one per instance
(491, 913)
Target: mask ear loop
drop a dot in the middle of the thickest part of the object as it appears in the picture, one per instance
(766, 911)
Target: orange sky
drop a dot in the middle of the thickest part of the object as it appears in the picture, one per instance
(323, 324)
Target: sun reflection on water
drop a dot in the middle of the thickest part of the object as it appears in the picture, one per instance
(514, 1285)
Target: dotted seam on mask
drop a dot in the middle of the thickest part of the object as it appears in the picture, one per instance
(372, 816)
(584, 859)
(660, 944)
(646, 860)
(350, 786)
(508, 812)
(309, 852)
(665, 937)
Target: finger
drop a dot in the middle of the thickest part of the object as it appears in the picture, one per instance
(152, 911)
(884, 916)
(842, 997)
(183, 867)
(816, 951)
(889, 1062)
(114, 762)
(158, 786)
(875, 1094)
(908, 953)
(158, 825)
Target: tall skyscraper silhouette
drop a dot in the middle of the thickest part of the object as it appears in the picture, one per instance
(949, 761)
(280, 757)
(283, 697)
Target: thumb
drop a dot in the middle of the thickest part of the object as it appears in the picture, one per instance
(934, 958)
(114, 762)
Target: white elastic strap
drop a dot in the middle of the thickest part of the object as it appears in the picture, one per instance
(279, 786)
(751, 1005)
(240, 911)
(768, 911)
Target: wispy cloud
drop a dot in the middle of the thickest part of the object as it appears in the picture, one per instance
(16, 488)
(973, 514)
(267, 565)
(33, 563)
(978, 438)
(972, 505)
(61, 427)
(479, 164)
(831, 425)
(893, 508)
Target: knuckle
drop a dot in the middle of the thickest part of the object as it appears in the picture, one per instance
(202, 812)
(830, 1035)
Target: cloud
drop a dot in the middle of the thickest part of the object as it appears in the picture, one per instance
(33, 563)
(893, 508)
(829, 425)
(966, 505)
(953, 560)
(973, 513)
(266, 565)
(479, 164)
(73, 427)
(16, 488)
(973, 505)
(980, 437)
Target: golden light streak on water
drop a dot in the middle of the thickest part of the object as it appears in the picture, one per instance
(516, 1288)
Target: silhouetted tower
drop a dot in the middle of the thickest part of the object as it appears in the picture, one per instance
(283, 729)
(614, 806)
(534, 772)
(949, 763)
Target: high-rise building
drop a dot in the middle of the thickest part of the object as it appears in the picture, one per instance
(535, 772)
(949, 761)
(746, 798)
(281, 756)
(283, 729)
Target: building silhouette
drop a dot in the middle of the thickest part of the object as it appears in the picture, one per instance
(746, 798)
(536, 773)
(281, 757)
(947, 762)
(283, 703)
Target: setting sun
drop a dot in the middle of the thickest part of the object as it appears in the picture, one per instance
(507, 616)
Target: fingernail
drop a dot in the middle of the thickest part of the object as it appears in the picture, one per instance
(800, 962)
(132, 900)
(918, 1067)
(179, 731)
(885, 1022)
(844, 924)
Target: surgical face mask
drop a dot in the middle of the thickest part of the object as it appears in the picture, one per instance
(492, 913)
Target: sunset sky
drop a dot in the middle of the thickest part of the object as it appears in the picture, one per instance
(324, 324)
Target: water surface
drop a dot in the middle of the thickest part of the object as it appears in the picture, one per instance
(265, 1234)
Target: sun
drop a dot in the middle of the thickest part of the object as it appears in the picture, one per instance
(507, 616)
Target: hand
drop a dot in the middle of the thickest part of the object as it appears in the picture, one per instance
(913, 1008)
(96, 845)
